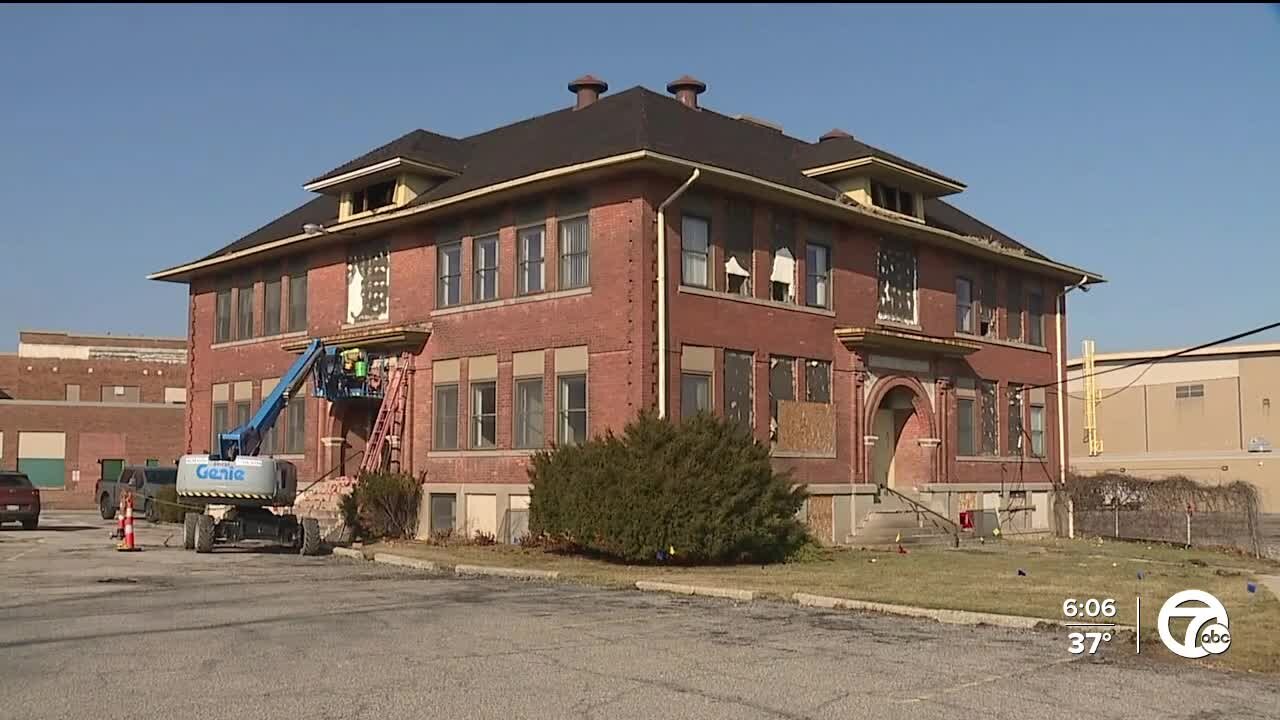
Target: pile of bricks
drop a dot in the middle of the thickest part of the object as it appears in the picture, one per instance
(321, 501)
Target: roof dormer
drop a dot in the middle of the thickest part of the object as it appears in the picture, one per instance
(874, 178)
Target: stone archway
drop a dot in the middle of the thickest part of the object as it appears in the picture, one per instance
(901, 435)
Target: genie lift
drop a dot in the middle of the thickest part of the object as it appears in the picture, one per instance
(244, 491)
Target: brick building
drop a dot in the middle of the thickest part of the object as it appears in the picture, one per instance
(554, 276)
(71, 405)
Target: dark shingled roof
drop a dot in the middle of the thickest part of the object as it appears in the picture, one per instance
(636, 119)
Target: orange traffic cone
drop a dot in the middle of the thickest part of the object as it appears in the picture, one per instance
(128, 545)
(119, 533)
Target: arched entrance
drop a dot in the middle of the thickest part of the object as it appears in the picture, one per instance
(899, 420)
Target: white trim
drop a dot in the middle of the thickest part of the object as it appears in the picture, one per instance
(872, 160)
(704, 292)
(391, 164)
(90, 404)
(972, 243)
(517, 300)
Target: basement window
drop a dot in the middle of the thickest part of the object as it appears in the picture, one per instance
(892, 198)
(373, 197)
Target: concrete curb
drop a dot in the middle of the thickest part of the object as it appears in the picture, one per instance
(348, 553)
(717, 592)
(401, 561)
(507, 572)
(952, 617)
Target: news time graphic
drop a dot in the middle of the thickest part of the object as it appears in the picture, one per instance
(1207, 626)
(1092, 621)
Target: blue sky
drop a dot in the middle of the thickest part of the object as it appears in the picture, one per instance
(1138, 142)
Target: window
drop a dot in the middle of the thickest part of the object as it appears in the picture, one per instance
(220, 423)
(446, 417)
(1013, 298)
(484, 415)
(782, 386)
(73, 392)
(443, 512)
(1015, 445)
(244, 311)
(368, 282)
(1185, 392)
(528, 429)
(964, 305)
(987, 305)
(222, 316)
(987, 407)
(572, 409)
(782, 276)
(295, 437)
(243, 413)
(817, 276)
(373, 197)
(695, 394)
(1035, 319)
(121, 394)
(964, 427)
(739, 404)
(738, 250)
(896, 267)
(530, 244)
(695, 235)
(298, 299)
(575, 265)
(271, 304)
(817, 381)
(449, 260)
(892, 198)
(1037, 431)
(486, 262)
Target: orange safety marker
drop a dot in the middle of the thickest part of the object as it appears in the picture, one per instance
(119, 533)
(128, 544)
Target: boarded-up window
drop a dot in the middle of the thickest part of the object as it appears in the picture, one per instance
(738, 400)
(738, 248)
(782, 275)
(987, 406)
(817, 381)
(896, 267)
(120, 393)
(368, 278)
(782, 386)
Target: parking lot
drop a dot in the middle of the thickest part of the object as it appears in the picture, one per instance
(86, 632)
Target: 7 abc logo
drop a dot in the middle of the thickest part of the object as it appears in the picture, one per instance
(1207, 625)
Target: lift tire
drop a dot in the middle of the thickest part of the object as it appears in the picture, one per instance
(310, 536)
(189, 521)
(105, 508)
(204, 533)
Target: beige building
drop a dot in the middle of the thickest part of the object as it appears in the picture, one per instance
(1207, 415)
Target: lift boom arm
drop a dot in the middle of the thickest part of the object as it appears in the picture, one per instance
(247, 439)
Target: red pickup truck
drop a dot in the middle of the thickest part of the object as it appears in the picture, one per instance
(19, 500)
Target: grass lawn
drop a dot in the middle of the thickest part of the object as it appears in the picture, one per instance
(976, 577)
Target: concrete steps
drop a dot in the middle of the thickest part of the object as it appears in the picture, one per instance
(894, 521)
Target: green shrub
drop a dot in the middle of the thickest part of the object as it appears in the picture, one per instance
(349, 509)
(703, 487)
(386, 505)
(167, 508)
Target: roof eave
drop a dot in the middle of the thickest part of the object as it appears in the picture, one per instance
(945, 186)
(326, 182)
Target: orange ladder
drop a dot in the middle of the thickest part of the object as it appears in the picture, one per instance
(390, 421)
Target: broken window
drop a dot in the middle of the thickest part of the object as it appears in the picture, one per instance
(486, 262)
(782, 275)
(817, 272)
(1014, 446)
(373, 197)
(575, 266)
(367, 282)
(449, 260)
(530, 242)
(695, 250)
(987, 406)
(896, 267)
(298, 297)
(1035, 318)
(987, 305)
(1013, 304)
(738, 249)
(446, 417)
(244, 311)
(222, 316)
(892, 198)
(964, 305)
(817, 381)
(484, 415)
(739, 405)
(271, 302)
(782, 386)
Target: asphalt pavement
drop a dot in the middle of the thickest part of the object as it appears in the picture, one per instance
(87, 632)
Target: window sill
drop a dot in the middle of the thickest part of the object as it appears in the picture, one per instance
(1005, 343)
(802, 454)
(704, 292)
(445, 454)
(517, 300)
(261, 339)
(1000, 459)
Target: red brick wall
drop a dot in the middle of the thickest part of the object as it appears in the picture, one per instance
(47, 378)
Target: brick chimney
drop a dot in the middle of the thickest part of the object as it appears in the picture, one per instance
(588, 89)
(687, 89)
